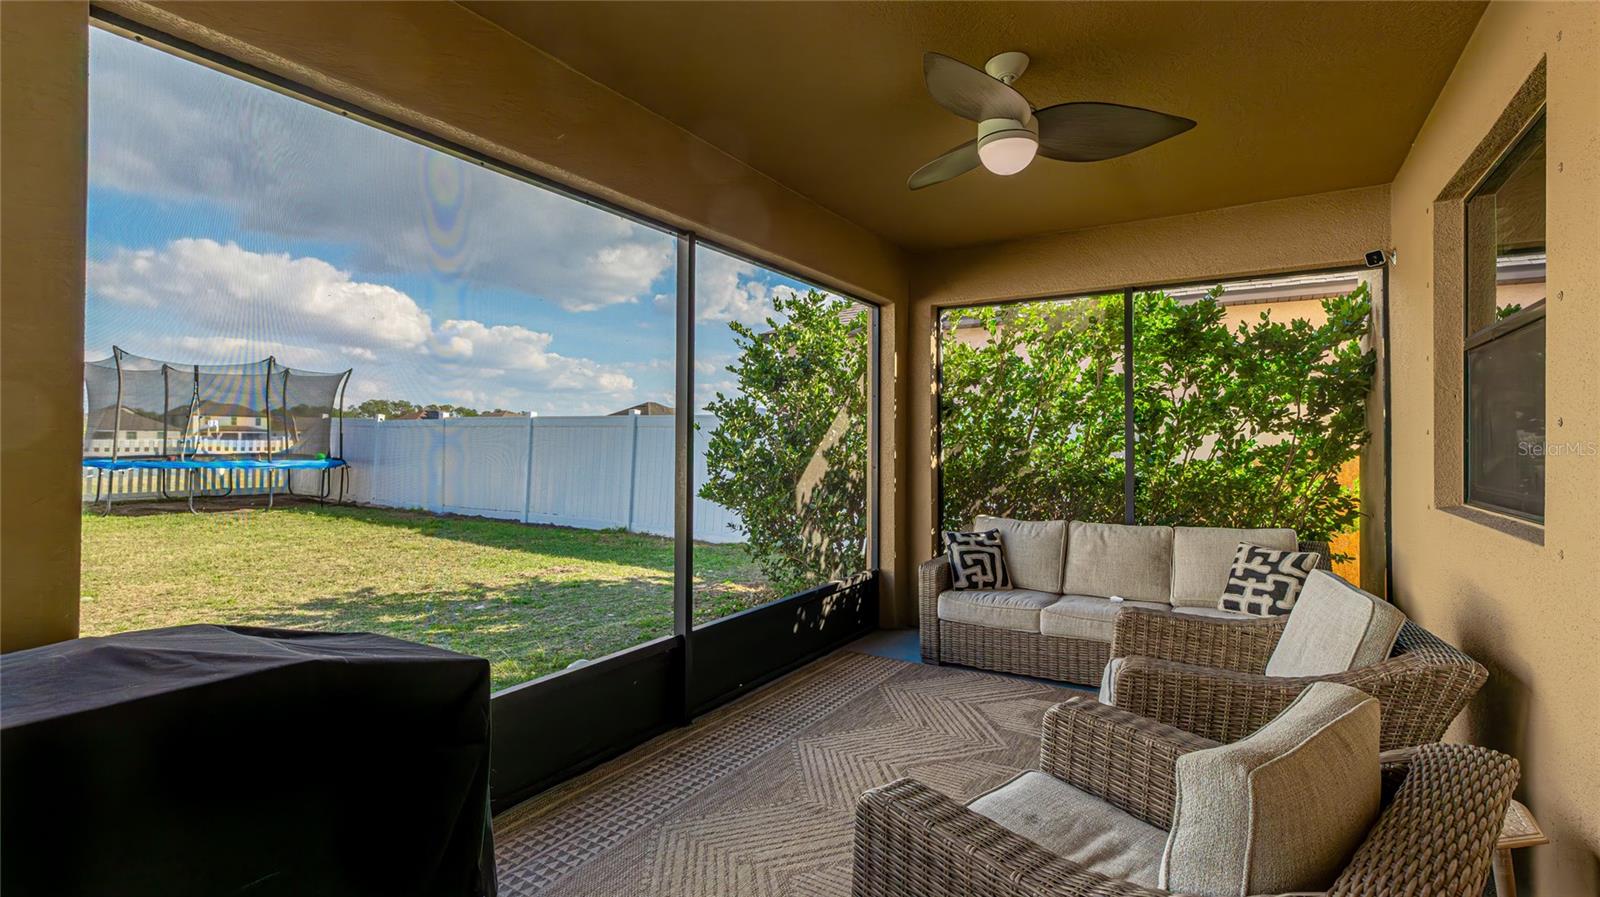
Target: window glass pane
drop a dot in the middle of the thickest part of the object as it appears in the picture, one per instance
(1505, 422)
(501, 498)
(1031, 421)
(1505, 236)
(1250, 406)
(780, 448)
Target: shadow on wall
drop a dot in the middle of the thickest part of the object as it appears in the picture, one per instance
(1497, 718)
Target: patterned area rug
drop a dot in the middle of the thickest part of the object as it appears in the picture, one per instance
(758, 798)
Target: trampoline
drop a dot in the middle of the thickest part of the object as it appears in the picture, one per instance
(204, 427)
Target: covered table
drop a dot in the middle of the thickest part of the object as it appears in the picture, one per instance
(233, 760)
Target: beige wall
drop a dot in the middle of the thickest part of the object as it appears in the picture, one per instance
(1529, 612)
(1309, 232)
(43, 108)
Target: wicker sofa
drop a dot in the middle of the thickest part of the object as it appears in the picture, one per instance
(1058, 623)
(1441, 813)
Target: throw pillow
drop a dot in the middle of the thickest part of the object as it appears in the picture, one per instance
(1265, 581)
(977, 560)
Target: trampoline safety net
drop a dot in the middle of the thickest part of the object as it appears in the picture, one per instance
(146, 408)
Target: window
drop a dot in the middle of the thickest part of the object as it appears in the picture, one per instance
(508, 507)
(1505, 332)
(781, 461)
(1031, 411)
(1249, 407)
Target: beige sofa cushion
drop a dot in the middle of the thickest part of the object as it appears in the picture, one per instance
(1214, 612)
(1036, 550)
(1014, 609)
(1203, 555)
(1282, 809)
(1076, 826)
(1087, 616)
(1108, 559)
(1334, 627)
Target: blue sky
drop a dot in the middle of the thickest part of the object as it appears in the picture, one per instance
(228, 222)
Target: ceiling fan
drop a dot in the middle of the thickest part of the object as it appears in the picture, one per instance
(1011, 132)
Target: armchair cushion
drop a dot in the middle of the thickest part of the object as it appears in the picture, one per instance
(1108, 559)
(1036, 550)
(1013, 609)
(1076, 826)
(1203, 555)
(1282, 809)
(1334, 627)
(1087, 617)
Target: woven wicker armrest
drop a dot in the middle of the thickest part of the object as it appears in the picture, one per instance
(912, 841)
(1436, 837)
(933, 577)
(1124, 759)
(1243, 644)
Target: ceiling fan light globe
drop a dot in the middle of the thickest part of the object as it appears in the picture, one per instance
(1008, 155)
(1006, 146)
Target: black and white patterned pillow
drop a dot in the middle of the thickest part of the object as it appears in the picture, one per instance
(977, 560)
(1265, 581)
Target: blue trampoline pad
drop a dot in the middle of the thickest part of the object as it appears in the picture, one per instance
(212, 464)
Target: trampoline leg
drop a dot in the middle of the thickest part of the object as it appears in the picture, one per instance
(192, 483)
(272, 482)
(110, 490)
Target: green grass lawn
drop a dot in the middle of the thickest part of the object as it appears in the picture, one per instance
(531, 599)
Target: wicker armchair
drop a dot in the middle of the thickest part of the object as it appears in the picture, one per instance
(1434, 838)
(1205, 675)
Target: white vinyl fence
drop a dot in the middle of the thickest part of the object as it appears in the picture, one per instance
(584, 472)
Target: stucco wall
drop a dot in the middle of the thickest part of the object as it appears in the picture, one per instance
(1529, 612)
(1309, 232)
(43, 107)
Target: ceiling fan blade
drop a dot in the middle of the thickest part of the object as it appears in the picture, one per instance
(954, 163)
(970, 93)
(1089, 132)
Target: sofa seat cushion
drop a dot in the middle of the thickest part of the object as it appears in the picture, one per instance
(1334, 627)
(1203, 555)
(1076, 826)
(1213, 612)
(1108, 559)
(1036, 550)
(1014, 609)
(1087, 616)
(1281, 809)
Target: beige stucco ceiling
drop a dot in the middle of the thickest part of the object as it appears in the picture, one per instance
(827, 98)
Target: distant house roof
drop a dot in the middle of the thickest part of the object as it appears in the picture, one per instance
(106, 419)
(646, 408)
(503, 414)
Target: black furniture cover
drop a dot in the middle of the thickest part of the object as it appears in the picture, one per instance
(217, 760)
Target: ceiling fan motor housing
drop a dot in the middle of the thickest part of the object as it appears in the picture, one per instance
(1006, 145)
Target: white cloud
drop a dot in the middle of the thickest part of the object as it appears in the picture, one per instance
(198, 300)
(727, 289)
(221, 286)
(169, 129)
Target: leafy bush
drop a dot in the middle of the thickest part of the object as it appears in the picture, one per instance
(1245, 427)
(790, 450)
(1241, 427)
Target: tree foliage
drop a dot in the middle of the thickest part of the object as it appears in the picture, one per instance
(392, 408)
(1241, 427)
(789, 453)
